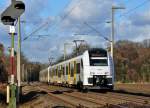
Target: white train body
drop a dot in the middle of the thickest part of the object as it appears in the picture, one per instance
(93, 69)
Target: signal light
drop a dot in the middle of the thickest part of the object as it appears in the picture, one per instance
(19, 5)
(8, 19)
(15, 10)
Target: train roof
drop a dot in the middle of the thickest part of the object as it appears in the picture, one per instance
(92, 50)
(67, 60)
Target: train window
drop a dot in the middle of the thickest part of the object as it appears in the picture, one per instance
(81, 63)
(78, 68)
(59, 73)
(63, 70)
(75, 67)
(98, 62)
(69, 69)
(66, 70)
(50, 72)
(55, 72)
(72, 70)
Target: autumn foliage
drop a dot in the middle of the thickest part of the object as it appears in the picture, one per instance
(132, 61)
(3, 69)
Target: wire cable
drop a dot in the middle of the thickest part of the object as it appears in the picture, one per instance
(67, 14)
(43, 25)
(96, 31)
(133, 9)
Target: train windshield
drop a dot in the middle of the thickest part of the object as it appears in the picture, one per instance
(98, 62)
(98, 57)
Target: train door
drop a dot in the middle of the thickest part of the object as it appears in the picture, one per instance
(52, 75)
(63, 74)
(72, 72)
(56, 74)
(49, 75)
(75, 71)
(59, 74)
(61, 71)
(78, 70)
(81, 71)
(69, 73)
(66, 72)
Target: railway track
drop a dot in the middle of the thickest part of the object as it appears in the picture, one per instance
(72, 100)
(96, 99)
(84, 102)
(63, 100)
(120, 98)
(139, 99)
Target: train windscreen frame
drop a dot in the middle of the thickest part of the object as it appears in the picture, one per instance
(97, 53)
(98, 62)
(100, 53)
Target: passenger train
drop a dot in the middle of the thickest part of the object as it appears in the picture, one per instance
(93, 69)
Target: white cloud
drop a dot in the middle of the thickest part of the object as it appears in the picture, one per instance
(136, 27)
(94, 12)
(87, 11)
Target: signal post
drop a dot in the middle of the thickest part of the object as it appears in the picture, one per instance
(9, 17)
(12, 86)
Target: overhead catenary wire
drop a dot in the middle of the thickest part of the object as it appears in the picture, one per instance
(66, 15)
(61, 20)
(35, 31)
(43, 25)
(57, 23)
(96, 31)
(72, 9)
(134, 9)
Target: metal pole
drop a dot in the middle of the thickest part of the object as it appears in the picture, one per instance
(30, 74)
(18, 62)
(112, 35)
(26, 75)
(48, 76)
(64, 51)
(23, 73)
(12, 59)
(113, 26)
(75, 41)
(76, 48)
(12, 1)
(12, 102)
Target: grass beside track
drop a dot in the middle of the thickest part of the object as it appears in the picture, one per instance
(134, 88)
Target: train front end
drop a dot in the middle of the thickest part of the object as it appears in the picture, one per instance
(98, 69)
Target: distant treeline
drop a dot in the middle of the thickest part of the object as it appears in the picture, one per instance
(3, 69)
(132, 62)
(29, 70)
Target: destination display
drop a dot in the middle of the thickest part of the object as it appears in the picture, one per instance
(98, 53)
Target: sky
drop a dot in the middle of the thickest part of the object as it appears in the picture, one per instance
(48, 24)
